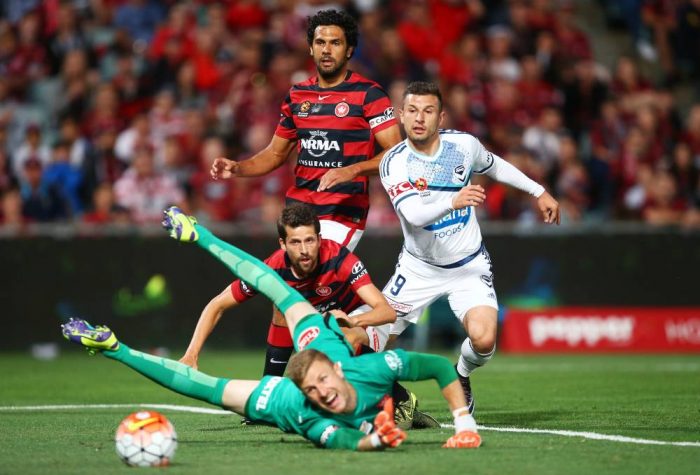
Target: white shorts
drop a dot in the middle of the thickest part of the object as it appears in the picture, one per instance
(340, 233)
(416, 284)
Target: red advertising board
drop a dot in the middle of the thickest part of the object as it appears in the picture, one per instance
(595, 329)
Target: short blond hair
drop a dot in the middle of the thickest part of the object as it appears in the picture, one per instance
(300, 363)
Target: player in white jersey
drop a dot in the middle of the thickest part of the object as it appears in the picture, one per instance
(427, 177)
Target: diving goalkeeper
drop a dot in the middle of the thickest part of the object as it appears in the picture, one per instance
(332, 398)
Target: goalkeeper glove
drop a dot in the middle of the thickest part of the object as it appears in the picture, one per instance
(386, 434)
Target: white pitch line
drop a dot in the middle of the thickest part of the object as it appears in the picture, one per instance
(220, 412)
(585, 435)
(170, 407)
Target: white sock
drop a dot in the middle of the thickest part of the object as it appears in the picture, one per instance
(470, 359)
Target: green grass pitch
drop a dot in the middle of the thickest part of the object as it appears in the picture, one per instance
(642, 397)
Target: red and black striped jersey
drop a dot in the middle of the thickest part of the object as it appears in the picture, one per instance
(334, 127)
(333, 286)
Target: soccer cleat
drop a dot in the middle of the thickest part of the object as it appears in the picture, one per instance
(464, 440)
(180, 226)
(467, 388)
(94, 339)
(404, 410)
(423, 420)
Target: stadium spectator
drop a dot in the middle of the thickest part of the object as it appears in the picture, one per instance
(216, 200)
(691, 133)
(31, 148)
(11, 215)
(104, 210)
(144, 191)
(663, 206)
(543, 139)
(139, 18)
(65, 177)
(40, 202)
(92, 64)
(687, 44)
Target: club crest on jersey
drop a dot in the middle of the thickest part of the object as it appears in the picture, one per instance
(324, 291)
(306, 337)
(304, 109)
(342, 109)
(460, 174)
(421, 184)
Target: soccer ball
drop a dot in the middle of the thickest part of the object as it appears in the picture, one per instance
(146, 439)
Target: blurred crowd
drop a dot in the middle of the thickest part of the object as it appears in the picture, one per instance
(110, 110)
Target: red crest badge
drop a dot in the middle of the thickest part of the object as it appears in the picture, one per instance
(342, 109)
(421, 184)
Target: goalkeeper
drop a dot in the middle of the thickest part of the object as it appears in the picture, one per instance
(331, 397)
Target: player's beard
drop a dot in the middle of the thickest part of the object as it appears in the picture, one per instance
(333, 73)
(304, 270)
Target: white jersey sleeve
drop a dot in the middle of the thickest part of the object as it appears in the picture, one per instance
(494, 166)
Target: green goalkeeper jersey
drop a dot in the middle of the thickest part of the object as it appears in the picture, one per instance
(277, 401)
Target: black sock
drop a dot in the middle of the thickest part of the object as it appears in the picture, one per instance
(399, 393)
(276, 360)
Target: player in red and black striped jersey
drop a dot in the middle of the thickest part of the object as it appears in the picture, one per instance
(333, 285)
(331, 277)
(334, 119)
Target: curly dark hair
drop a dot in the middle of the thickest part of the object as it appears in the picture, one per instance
(295, 215)
(337, 18)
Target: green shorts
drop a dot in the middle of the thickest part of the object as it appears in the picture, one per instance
(322, 334)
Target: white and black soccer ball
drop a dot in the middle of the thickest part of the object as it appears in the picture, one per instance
(146, 439)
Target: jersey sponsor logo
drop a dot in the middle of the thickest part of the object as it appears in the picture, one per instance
(456, 217)
(320, 163)
(357, 267)
(396, 190)
(398, 306)
(387, 115)
(264, 398)
(358, 276)
(307, 337)
(342, 109)
(421, 184)
(326, 434)
(393, 361)
(317, 145)
(246, 290)
(324, 291)
(304, 109)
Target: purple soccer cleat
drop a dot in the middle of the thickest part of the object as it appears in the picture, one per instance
(180, 226)
(94, 339)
